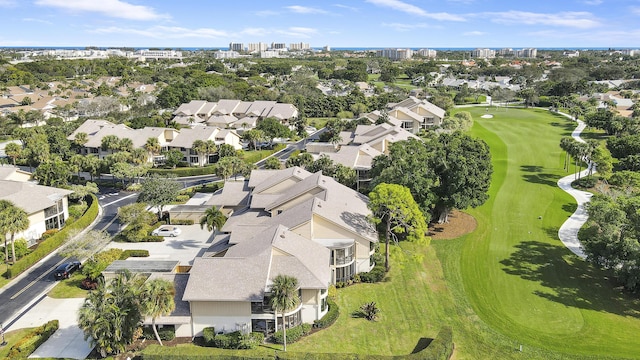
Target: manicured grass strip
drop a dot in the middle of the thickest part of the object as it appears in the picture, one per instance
(69, 288)
(518, 276)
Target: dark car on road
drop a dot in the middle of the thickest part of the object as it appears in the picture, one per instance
(65, 270)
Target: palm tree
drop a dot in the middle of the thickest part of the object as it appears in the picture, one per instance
(200, 147)
(284, 297)
(13, 150)
(12, 220)
(139, 156)
(213, 218)
(110, 142)
(211, 148)
(4, 205)
(80, 139)
(153, 146)
(125, 144)
(157, 300)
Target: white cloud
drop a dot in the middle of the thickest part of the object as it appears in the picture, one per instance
(305, 10)
(465, 2)
(580, 20)
(635, 10)
(255, 32)
(8, 3)
(589, 38)
(593, 2)
(297, 32)
(414, 10)
(112, 8)
(38, 21)
(346, 7)
(474, 33)
(166, 32)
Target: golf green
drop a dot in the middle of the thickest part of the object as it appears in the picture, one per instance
(518, 276)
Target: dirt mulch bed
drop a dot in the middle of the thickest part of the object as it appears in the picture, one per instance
(459, 224)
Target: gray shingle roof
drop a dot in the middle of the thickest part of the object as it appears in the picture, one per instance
(30, 197)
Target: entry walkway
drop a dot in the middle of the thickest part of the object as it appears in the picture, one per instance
(568, 232)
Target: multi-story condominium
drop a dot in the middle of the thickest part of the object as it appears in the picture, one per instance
(430, 53)
(270, 54)
(236, 46)
(483, 53)
(47, 207)
(299, 46)
(630, 52)
(168, 139)
(282, 222)
(527, 53)
(395, 54)
(226, 54)
(159, 54)
(278, 46)
(506, 52)
(257, 47)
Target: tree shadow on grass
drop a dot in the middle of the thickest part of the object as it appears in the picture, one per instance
(569, 280)
(534, 174)
(422, 344)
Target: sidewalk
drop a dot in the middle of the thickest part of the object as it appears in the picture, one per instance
(568, 232)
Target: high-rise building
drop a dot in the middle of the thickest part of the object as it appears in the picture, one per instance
(483, 53)
(299, 46)
(430, 53)
(528, 53)
(257, 47)
(278, 46)
(236, 46)
(395, 54)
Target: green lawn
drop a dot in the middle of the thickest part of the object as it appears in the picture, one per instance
(69, 288)
(517, 275)
(12, 337)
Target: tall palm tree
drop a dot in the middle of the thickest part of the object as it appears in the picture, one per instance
(153, 146)
(80, 139)
(4, 205)
(17, 221)
(139, 156)
(211, 148)
(157, 300)
(13, 150)
(110, 142)
(200, 147)
(125, 144)
(213, 218)
(284, 297)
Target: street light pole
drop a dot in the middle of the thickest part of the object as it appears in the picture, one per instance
(2, 333)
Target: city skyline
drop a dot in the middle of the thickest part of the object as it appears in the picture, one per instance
(362, 23)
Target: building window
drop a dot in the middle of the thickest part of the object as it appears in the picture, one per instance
(193, 159)
(94, 150)
(323, 304)
(344, 274)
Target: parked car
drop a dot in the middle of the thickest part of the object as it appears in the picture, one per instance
(167, 230)
(65, 270)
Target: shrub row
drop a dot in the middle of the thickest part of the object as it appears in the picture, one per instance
(183, 198)
(181, 222)
(134, 253)
(233, 340)
(330, 317)
(375, 275)
(57, 239)
(186, 171)
(293, 334)
(32, 340)
(166, 333)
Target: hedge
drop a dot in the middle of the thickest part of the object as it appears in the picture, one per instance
(52, 243)
(293, 334)
(32, 340)
(330, 317)
(233, 340)
(166, 333)
(181, 221)
(186, 171)
(134, 253)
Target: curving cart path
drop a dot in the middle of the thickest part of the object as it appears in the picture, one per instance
(568, 232)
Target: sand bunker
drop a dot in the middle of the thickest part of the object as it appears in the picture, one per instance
(487, 116)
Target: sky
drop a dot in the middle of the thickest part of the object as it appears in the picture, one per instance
(336, 23)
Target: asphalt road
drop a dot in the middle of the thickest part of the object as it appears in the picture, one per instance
(39, 279)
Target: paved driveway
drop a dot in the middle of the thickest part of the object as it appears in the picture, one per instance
(68, 341)
(192, 242)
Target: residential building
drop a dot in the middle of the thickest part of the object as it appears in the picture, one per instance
(278, 46)
(527, 53)
(416, 114)
(282, 222)
(257, 47)
(229, 54)
(299, 46)
(158, 54)
(395, 54)
(168, 138)
(234, 114)
(236, 46)
(47, 207)
(9, 172)
(483, 53)
(268, 54)
(430, 53)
